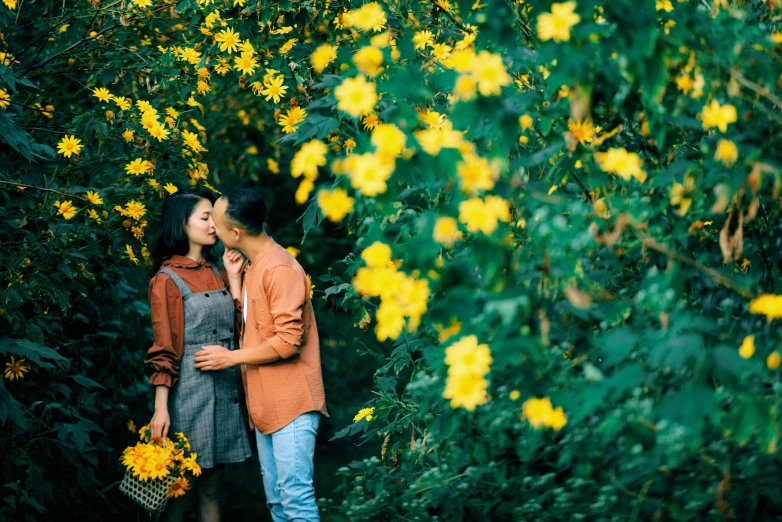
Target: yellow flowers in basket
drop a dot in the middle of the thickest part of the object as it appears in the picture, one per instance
(156, 471)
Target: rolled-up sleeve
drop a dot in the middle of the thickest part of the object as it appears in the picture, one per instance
(168, 326)
(286, 290)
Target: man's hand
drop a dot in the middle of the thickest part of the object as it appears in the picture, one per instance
(233, 261)
(213, 357)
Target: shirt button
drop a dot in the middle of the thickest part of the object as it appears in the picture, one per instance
(236, 401)
(207, 295)
(232, 330)
(214, 332)
(225, 293)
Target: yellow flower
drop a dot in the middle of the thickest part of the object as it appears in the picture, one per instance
(138, 166)
(69, 145)
(323, 56)
(290, 122)
(364, 413)
(335, 204)
(773, 361)
(293, 251)
(367, 17)
(716, 115)
(11, 4)
(67, 210)
(94, 198)
(102, 94)
(170, 188)
(15, 369)
(229, 40)
(435, 139)
(540, 412)
(153, 183)
(369, 173)
(377, 255)
(768, 305)
(441, 51)
(514, 395)
(446, 231)
(467, 356)
(525, 121)
(479, 215)
(727, 152)
(679, 193)
(556, 24)
(489, 73)
(303, 191)
(466, 391)
(273, 166)
(179, 488)
(123, 103)
(622, 163)
(159, 132)
(476, 173)
(190, 139)
(468, 363)
(246, 63)
(582, 131)
(133, 209)
(389, 141)
(131, 255)
(370, 121)
(287, 46)
(423, 38)
(747, 348)
(356, 96)
(368, 60)
(663, 5)
(307, 160)
(432, 118)
(275, 89)
(5, 99)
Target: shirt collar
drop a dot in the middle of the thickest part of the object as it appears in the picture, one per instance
(265, 250)
(184, 262)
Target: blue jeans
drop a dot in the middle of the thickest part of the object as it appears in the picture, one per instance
(287, 467)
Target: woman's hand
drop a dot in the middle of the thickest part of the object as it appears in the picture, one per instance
(233, 261)
(159, 425)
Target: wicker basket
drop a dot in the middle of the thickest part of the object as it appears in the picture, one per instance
(151, 495)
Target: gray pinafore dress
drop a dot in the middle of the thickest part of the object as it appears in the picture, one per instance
(205, 405)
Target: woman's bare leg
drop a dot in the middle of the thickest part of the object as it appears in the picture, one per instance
(207, 490)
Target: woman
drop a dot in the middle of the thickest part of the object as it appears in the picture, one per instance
(192, 306)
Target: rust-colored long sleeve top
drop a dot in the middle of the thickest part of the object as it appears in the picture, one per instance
(167, 306)
(279, 311)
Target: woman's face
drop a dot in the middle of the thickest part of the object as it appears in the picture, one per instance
(200, 227)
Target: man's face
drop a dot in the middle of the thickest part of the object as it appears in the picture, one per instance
(222, 225)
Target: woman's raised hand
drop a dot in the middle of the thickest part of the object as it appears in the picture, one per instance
(233, 261)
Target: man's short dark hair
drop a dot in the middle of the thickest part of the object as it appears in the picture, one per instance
(246, 209)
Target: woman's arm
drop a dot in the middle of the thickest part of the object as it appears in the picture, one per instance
(161, 420)
(168, 325)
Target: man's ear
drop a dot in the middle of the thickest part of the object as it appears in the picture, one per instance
(237, 234)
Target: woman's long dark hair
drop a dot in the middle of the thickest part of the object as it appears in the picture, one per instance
(171, 238)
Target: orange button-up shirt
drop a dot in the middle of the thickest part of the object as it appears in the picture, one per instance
(279, 311)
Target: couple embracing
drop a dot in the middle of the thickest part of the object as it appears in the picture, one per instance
(255, 313)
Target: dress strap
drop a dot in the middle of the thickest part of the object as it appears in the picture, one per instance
(219, 275)
(177, 281)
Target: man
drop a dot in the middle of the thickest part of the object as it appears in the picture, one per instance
(279, 354)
